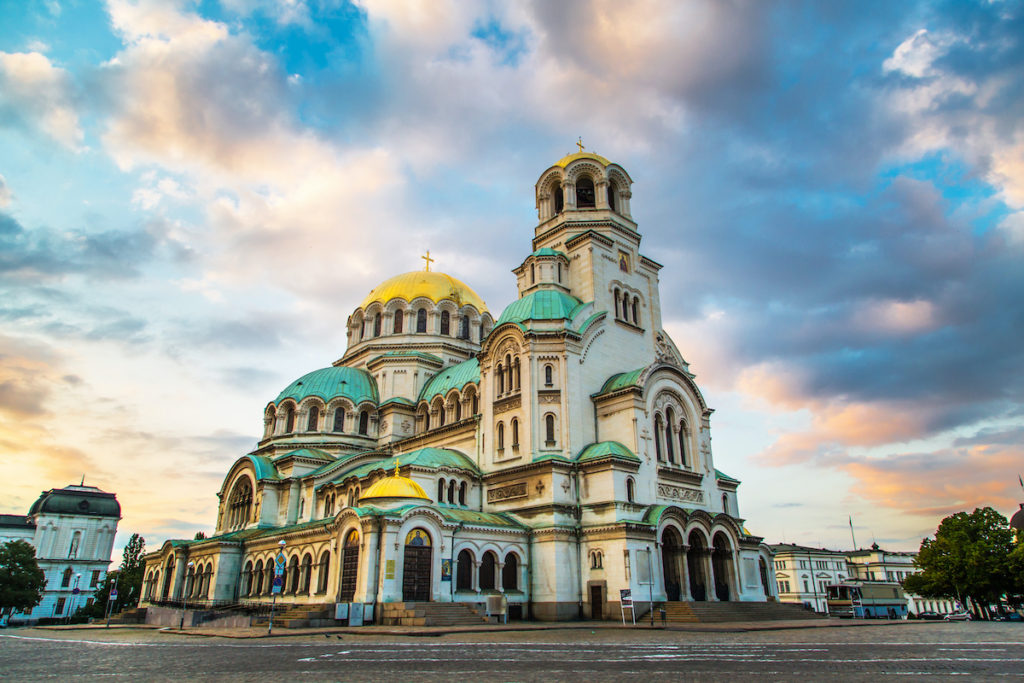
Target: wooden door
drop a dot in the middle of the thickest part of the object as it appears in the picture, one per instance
(416, 573)
(596, 603)
(349, 570)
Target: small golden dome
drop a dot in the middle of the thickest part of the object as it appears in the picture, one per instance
(432, 285)
(569, 158)
(395, 486)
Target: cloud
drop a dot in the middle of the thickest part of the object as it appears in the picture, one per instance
(5, 193)
(35, 94)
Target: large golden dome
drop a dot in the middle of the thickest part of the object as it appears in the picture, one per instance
(569, 158)
(434, 286)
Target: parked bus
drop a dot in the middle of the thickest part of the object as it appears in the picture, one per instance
(867, 600)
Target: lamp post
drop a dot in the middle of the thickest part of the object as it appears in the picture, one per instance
(276, 586)
(74, 592)
(112, 597)
(650, 586)
(185, 592)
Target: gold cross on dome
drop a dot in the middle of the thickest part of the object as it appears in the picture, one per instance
(579, 143)
(428, 260)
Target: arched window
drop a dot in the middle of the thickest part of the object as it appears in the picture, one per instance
(399, 319)
(464, 571)
(488, 565)
(630, 490)
(725, 503)
(421, 320)
(66, 578)
(458, 409)
(376, 325)
(322, 572)
(268, 577)
(476, 404)
(549, 430)
(615, 293)
(596, 559)
(515, 372)
(247, 579)
(364, 422)
(441, 413)
(464, 327)
(314, 419)
(76, 540)
(240, 504)
(451, 492)
(669, 446)
(585, 193)
(440, 490)
(515, 432)
(446, 319)
(500, 374)
(559, 196)
(559, 272)
(289, 420)
(258, 576)
(657, 437)
(510, 573)
(302, 507)
(533, 273)
(501, 436)
(339, 419)
(307, 573)
(462, 493)
(613, 191)
(682, 444)
(293, 575)
(548, 375)
(636, 306)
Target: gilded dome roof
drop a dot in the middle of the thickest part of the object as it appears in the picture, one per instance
(395, 486)
(432, 285)
(569, 158)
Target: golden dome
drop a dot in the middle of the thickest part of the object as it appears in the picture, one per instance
(435, 286)
(395, 486)
(569, 158)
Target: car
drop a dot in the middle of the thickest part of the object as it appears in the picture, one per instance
(929, 616)
(958, 616)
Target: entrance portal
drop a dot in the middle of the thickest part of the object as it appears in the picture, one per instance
(417, 564)
(349, 566)
(695, 565)
(721, 562)
(670, 553)
(596, 602)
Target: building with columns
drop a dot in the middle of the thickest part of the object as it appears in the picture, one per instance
(556, 454)
(72, 530)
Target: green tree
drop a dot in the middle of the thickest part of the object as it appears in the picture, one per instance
(968, 558)
(21, 580)
(128, 579)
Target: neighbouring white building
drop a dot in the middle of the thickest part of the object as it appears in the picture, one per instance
(556, 454)
(802, 574)
(72, 530)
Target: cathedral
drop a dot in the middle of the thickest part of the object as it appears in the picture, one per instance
(556, 455)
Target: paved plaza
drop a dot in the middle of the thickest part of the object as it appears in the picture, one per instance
(980, 650)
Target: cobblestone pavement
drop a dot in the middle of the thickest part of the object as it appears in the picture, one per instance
(937, 650)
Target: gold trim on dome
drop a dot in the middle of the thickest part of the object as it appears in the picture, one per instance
(430, 284)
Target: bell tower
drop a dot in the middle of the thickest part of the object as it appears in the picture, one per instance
(585, 226)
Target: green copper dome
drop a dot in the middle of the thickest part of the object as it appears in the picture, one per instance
(328, 383)
(455, 377)
(544, 304)
(77, 500)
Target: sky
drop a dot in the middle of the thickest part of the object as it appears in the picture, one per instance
(194, 196)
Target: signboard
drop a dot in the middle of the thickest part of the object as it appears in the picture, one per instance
(626, 598)
(275, 588)
(389, 569)
(446, 570)
(113, 594)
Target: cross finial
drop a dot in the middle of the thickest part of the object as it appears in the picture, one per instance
(579, 143)
(428, 260)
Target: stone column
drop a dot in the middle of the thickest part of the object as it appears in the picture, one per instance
(601, 192)
(684, 574)
(475, 583)
(498, 582)
(712, 595)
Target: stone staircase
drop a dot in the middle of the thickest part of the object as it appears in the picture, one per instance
(719, 612)
(136, 615)
(430, 614)
(299, 616)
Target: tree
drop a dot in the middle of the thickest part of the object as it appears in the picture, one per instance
(200, 535)
(128, 578)
(968, 558)
(21, 580)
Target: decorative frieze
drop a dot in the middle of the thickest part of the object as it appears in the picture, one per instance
(507, 404)
(680, 493)
(517, 490)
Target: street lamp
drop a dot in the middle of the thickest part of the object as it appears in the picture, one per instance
(74, 592)
(276, 586)
(187, 588)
